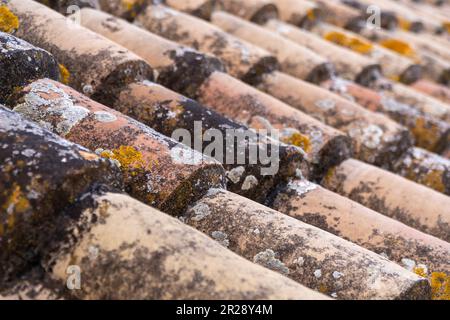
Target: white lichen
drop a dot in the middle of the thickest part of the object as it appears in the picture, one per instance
(268, 259)
(201, 211)
(318, 273)
(221, 237)
(235, 174)
(104, 116)
(183, 155)
(249, 183)
(301, 187)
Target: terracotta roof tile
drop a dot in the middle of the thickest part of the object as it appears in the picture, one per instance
(394, 196)
(333, 224)
(312, 257)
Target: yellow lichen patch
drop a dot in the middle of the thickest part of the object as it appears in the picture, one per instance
(131, 5)
(299, 140)
(440, 286)
(434, 180)
(426, 136)
(399, 46)
(323, 289)
(128, 157)
(447, 26)
(420, 272)
(395, 78)
(311, 14)
(16, 202)
(404, 24)
(64, 74)
(329, 176)
(353, 43)
(9, 22)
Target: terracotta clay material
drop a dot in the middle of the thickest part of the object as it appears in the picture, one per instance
(322, 144)
(243, 60)
(314, 258)
(348, 64)
(67, 7)
(413, 204)
(425, 168)
(169, 112)
(127, 9)
(157, 170)
(294, 59)
(302, 13)
(429, 132)
(128, 251)
(180, 68)
(347, 219)
(424, 44)
(40, 174)
(258, 11)
(410, 20)
(378, 139)
(388, 20)
(434, 66)
(20, 62)
(34, 285)
(419, 101)
(394, 65)
(339, 14)
(95, 66)
(433, 89)
(198, 8)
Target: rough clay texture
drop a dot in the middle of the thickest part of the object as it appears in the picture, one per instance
(157, 170)
(417, 206)
(429, 131)
(20, 62)
(324, 146)
(96, 66)
(294, 59)
(127, 250)
(425, 168)
(350, 220)
(40, 174)
(378, 140)
(167, 111)
(243, 60)
(179, 68)
(304, 253)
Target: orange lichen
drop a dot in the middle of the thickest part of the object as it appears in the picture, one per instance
(404, 24)
(299, 140)
(420, 272)
(131, 5)
(353, 43)
(323, 288)
(128, 157)
(9, 22)
(16, 201)
(426, 136)
(311, 14)
(440, 286)
(434, 180)
(399, 46)
(64, 74)
(329, 176)
(447, 26)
